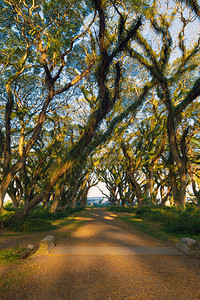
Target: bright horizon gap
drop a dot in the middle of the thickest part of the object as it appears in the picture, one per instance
(95, 190)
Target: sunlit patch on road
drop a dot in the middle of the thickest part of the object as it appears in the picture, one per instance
(108, 218)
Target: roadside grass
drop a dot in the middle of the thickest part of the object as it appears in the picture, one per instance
(39, 220)
(62, 226)
(152, 228)
(66, 226)
(163, 223)
(10, 255)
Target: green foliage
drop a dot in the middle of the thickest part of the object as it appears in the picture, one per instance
(5, 216)
(47, 41)
(10, 255)
(143, 210)
(183, 222)
(32, 225)
(9, 206)
(38, 220)
(172, 219)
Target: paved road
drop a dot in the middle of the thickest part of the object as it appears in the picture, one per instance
(106, 259)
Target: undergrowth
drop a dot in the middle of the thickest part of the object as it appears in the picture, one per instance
(8, 255)
(39, 219)
(171, 220)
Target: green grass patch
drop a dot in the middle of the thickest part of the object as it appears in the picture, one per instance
(10, 255)
(33, 225)
(166, 223)
(149, 227)
(38, 220)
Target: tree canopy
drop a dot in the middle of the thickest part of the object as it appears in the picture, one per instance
(98, 87)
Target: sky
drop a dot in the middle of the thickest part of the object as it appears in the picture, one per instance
(95, 192)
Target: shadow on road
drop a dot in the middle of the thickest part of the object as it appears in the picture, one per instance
(103, 276)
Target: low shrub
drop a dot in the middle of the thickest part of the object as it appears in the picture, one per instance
(143, 210)
(185, 222)
(154, 215)
(32, 225)
(45, 214)
(39, 219)
(172, 219)
(191, 207)
(5, 216)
